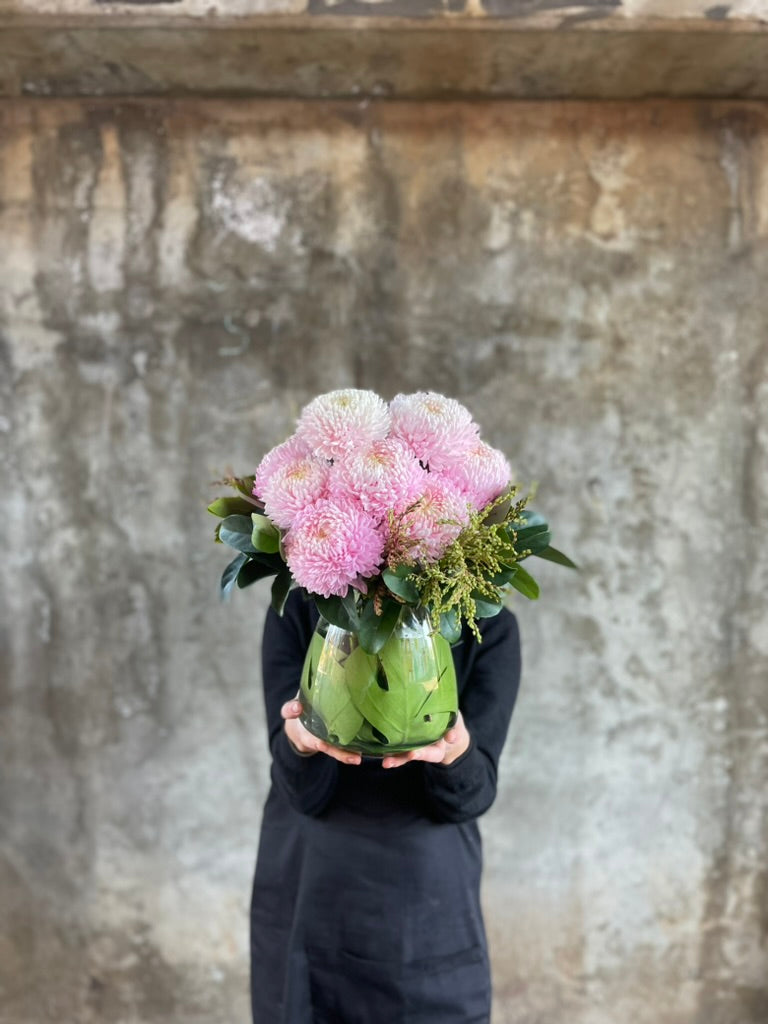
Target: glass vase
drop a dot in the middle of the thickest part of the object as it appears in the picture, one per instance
(399, 699)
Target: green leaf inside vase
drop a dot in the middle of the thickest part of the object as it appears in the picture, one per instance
(328, 693)
(410, 676)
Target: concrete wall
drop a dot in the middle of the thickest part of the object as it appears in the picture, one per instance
(177, 279)
(414, 49)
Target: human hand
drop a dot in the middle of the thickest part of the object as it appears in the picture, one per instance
(444, 751)
(303, 740)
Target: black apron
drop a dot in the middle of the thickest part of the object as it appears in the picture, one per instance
(369, 913)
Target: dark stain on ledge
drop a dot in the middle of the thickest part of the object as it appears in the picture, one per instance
(431, 8)
(139, 3)
(388, 8)
(719, 12)
(584, 11)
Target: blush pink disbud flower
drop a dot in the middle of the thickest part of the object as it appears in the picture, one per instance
(293, 486)
(331, 544)
(342, 421)
(383, 477)
(279, 456)
(481, 474)
(436, 519)
(436, 428)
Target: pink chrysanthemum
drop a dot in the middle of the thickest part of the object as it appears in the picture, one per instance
(384, 476)
(436, 520)
(342, 421)
(481, 474)
(437, 429)
(292, 487)
(279, 456)
(331, 544)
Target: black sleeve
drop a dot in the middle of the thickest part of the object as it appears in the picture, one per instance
(466, 788)
(308, 783)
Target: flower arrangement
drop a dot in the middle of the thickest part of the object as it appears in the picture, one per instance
(375, 508)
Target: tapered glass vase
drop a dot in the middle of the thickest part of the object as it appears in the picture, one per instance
(391, 702)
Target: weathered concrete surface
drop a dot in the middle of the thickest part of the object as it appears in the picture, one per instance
(549, 13)
(178, 278)
(393, 48)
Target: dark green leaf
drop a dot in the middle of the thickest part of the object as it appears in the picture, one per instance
(253, 571)
(531, 518)
(533, 533)
(450, 626)
(333, 611)
(236, 531)
(400, 586)
(349, 603)
(224, 507)
(503, 577)
(486, 608)
(375, 630)
(244, 484)
(498, 514)
(230, 574)
(265, 536)
(507, 555)
(553, 555)
(275, 562)
(525, 583)
(280, 589)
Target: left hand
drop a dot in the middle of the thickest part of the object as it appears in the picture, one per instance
(444, 751)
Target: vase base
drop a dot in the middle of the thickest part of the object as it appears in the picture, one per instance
(374, 747)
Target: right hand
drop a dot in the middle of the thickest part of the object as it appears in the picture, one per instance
(303, 740)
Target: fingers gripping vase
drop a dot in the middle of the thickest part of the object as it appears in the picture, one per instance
(401, 698)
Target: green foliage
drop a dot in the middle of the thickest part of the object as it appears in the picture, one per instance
(265, 536)
(450, 625)
(523, 582)
(398, 689)
(335, 708)
(376, 629)
(236, 532)
(460, 586)
(530, 535)
(230, 574)
(553, 555)
(467, 583)
(243, 485)
(339, 611)
(280, 589)
(224, 507)
(400, 582)
(254, 570)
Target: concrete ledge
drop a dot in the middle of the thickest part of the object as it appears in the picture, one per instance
(488, 49)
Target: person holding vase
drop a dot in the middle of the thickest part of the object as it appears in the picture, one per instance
(390, 667)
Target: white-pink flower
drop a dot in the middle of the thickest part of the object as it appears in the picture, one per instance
(331, 544)
(481, 474)
(342, 421)
(282, 454)
(436, 520)
(384, 476)
(437, 429)
(292, 487)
